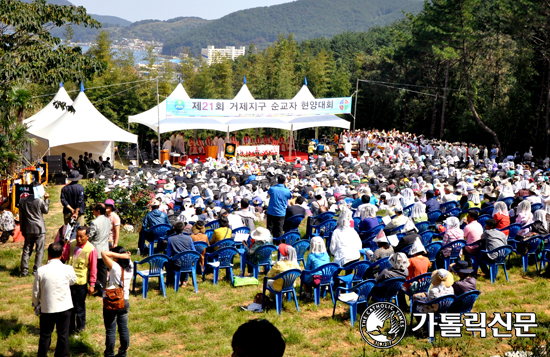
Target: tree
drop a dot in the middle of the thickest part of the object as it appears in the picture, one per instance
(30, 54)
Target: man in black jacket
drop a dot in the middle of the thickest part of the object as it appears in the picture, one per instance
(295, 210)
(407, 239)
(73, 200)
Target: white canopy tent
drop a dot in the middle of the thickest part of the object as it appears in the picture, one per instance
(152, 116)
(49, 113)
(43, 118)
(85, 130)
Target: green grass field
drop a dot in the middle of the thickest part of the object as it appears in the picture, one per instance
(203, 324)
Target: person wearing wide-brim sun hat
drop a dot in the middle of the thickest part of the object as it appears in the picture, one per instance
(442, 285)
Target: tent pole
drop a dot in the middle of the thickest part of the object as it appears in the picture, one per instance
(291, 143)
(356, 100)
(137, 156)
(158, 117)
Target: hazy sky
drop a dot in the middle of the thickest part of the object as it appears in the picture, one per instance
(135, 10)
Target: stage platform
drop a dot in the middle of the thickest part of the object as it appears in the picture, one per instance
(284, 154)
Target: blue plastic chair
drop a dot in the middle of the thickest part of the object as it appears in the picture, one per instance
(156, 264)
(545, 258)
(369, 242)
(508, 201)
(473, 257)
(432, 249)
(407, 249)
(288, 277)
(362, 290)
(532, 247)
(356, 221)
(488, 210)
(212, 225)
(407, 211)
(327, 272)
(288, 238)
(502, 253)
(359, 269)
(242, 230)
(200, 246)
(453, 212)
(375, 229)
(512, 229)
(456, 248)
(444, 207)
(301, 247)
(422, 226)
(325, 227)
(482, 219)
(443, 304)
(209, 233)
(433, 216)
(392, 287)
(381, 264)
(478, 210)
(189, 261)
(535, 207)
(160, 231)
(426, 237)
(319, 218)
(545, 253)
(396, 230)
(225, 257)
(264, 260)
(229, 242)
(418, 284)
(464, 303)
(294, 222)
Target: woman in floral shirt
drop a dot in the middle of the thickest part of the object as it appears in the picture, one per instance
(452, 233)
(7, 224)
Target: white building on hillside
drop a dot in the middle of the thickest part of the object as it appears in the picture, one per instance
(215, 55)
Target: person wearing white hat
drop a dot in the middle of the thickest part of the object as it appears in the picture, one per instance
(452, 233)
(345, 243)
(384, 248)
(418, 261)
(258, 238)
(399, 220)
(501, 215)
(320, 205)
(449, 194)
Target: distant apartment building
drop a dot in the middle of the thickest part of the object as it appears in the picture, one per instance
(215, 55)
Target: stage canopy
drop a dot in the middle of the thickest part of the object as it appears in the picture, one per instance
(151, 116)
(85, 130)
(244, 103)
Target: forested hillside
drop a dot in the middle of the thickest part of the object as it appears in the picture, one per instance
(149, 30)
(306, 19)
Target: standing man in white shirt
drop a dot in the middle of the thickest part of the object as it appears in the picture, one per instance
(51, 298)
(167, 145)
